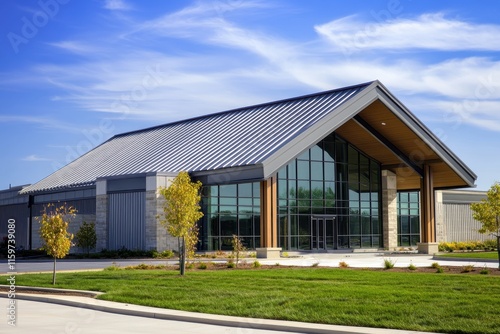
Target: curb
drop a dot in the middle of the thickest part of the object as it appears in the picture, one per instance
(21, 288)
(461, 259)
(201, 318)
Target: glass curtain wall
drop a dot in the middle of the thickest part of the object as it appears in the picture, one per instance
(408, 218)
(328, 198)
(230, 209)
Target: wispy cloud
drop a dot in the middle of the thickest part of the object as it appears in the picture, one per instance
(35, 158)
(142, 80)
(429, 31)
(116, 5)
(76, 47)
(42, 121)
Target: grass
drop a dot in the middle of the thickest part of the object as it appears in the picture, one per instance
(472, 255)
(417, 301)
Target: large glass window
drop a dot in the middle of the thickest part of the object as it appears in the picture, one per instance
(230, 209)
(408, 218)
(331, 179)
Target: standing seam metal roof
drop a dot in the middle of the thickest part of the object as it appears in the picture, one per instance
(240, 137)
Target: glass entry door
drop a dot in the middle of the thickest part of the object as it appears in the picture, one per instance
(323, 233)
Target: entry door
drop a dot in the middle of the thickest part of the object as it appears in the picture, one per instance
(323, 233)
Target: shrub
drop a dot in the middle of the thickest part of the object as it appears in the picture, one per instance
(412, 267)
(484, 271)
(256, 264)
(439, 270)
(166, 254)
(435, 265)
(86, 237)
(468, 268)
(202, 266)
(343, 264)
(389, 264)
(315, 264)
(284, 254)
(113, 267)
(231, 264)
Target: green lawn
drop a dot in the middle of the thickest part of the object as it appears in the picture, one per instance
(412, 301)
(472, 255)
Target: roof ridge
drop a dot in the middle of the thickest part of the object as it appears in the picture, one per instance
(259, 105)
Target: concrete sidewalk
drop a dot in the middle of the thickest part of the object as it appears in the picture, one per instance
(43, 313)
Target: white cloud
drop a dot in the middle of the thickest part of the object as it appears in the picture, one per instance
(244, 66)
(34, 157)
(429, 31)
(76, 47)
(116, 5)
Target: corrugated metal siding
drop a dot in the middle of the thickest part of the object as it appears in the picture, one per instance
(19, 212)
(127, 220)
(459, 224)
(234, 138)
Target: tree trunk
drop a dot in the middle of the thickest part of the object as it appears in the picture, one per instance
(54, 273)
(498, 250)
(183, 256)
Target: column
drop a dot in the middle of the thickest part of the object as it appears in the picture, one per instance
(428, 244)
(389, 209)
(101, 215)
(268, 220)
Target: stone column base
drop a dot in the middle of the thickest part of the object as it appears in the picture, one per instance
(268, 253)
(428, 247)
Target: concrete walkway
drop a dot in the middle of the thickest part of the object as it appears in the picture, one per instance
(73, 314)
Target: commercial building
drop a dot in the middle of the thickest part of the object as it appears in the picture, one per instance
(350, 168)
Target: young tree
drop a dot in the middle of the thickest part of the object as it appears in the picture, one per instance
(54, 232)
(238, 247)
(488, 213)
(86, 237)
(181, 211)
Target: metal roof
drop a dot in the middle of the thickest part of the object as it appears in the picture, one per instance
(236, 138)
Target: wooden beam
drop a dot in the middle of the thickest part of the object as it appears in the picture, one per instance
(388, 144)
(268, 209)
(427, 200)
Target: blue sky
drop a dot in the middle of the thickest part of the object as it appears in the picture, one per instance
(74, 73)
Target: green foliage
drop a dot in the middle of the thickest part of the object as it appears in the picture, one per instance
(315, 264)
(113, 267)
(487, 212)
(435, 265)
(202, 265)
(86, 237)
(284, 254)
(484, 271)
(467, 245)
(231, 264)
(181, 211)
(389, 263)
(439, 270)
(256, 264)
(166, 254)
(412, 267)
(54, 232)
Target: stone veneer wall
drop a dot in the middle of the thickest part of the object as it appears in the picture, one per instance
(389, 209)
(156, 234)
(73, 227)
